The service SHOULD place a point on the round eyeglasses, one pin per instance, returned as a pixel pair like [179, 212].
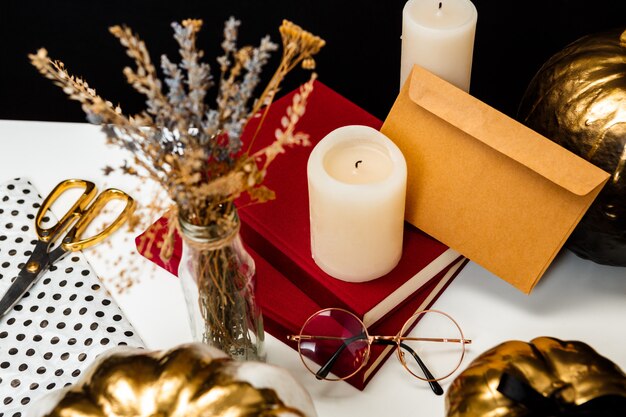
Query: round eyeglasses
[338, 341]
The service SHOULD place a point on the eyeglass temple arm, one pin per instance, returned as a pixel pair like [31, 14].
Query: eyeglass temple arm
[325, 369]
[434, 385]
[434, 339]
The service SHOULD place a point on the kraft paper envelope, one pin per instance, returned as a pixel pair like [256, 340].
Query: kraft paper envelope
[485, 185]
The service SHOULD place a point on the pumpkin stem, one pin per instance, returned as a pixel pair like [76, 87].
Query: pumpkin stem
[622, 39]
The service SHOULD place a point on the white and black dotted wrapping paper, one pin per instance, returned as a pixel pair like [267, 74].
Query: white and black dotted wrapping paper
[60, 325]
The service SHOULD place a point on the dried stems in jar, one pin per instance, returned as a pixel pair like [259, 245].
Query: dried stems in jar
[194, 151]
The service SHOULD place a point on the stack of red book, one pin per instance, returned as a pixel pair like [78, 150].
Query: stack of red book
[290, 286]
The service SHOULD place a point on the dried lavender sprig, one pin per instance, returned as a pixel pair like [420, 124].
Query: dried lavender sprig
[198, 74]
[229, 45]
[234, 94]
[239, 100]
[174, 81]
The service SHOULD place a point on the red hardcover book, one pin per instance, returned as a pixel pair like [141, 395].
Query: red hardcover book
[286, 307]
[279, 229]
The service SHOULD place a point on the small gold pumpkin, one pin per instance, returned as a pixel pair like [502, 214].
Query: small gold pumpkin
[192, 380]
[569, 371]
[578, 100]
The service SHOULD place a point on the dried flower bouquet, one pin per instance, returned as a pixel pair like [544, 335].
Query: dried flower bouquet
[194, 151]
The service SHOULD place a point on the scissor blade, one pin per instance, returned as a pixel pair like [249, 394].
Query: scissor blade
[16, 291]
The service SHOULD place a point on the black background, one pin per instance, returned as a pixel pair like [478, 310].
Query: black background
[361, 59]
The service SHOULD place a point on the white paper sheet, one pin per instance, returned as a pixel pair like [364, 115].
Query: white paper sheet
[61, 325]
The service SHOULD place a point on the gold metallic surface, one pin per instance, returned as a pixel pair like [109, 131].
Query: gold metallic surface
[75, 239]
[32, 267]
[578, 99]
[84, 212]
[570, 370]
[187, 381]
[81, 204]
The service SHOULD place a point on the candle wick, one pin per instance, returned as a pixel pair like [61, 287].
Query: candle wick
[440, 4]
[357, 163]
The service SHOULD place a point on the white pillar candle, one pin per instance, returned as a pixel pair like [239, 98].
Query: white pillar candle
[439, 36]
[357, 188]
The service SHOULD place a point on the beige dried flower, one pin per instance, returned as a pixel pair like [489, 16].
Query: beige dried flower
[190, 149]
[193, 151]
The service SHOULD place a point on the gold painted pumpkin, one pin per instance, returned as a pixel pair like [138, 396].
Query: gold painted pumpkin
[578, 100]
[568, 372]
[192, 380]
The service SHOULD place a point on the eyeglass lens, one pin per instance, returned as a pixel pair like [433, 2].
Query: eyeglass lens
[437, 341]
[338, 344]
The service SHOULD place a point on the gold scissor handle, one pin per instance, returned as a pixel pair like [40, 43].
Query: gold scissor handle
[73, 240]
[76, 210]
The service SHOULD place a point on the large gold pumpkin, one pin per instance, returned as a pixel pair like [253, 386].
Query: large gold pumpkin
[578, 99]
[571, 372]
[192, 380]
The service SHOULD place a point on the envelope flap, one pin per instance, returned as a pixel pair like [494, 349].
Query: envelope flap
[504, 134]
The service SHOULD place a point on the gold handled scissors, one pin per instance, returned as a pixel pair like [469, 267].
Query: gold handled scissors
[79, 216]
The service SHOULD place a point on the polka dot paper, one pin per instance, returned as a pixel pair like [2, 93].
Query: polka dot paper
[59, 327]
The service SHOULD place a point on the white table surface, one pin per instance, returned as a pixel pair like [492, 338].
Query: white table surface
[575, 300]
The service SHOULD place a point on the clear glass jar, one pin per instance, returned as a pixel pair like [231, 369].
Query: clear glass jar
[218, 279]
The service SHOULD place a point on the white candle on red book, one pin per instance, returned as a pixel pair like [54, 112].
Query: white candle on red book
[439, 36]
[357, 187]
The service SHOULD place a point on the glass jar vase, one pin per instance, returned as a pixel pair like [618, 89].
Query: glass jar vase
[218, 279]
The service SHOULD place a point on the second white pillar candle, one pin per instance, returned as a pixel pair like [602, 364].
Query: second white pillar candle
[439, 36]
[357, 188]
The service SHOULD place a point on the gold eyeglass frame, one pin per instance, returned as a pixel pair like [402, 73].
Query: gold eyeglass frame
[371, 339]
